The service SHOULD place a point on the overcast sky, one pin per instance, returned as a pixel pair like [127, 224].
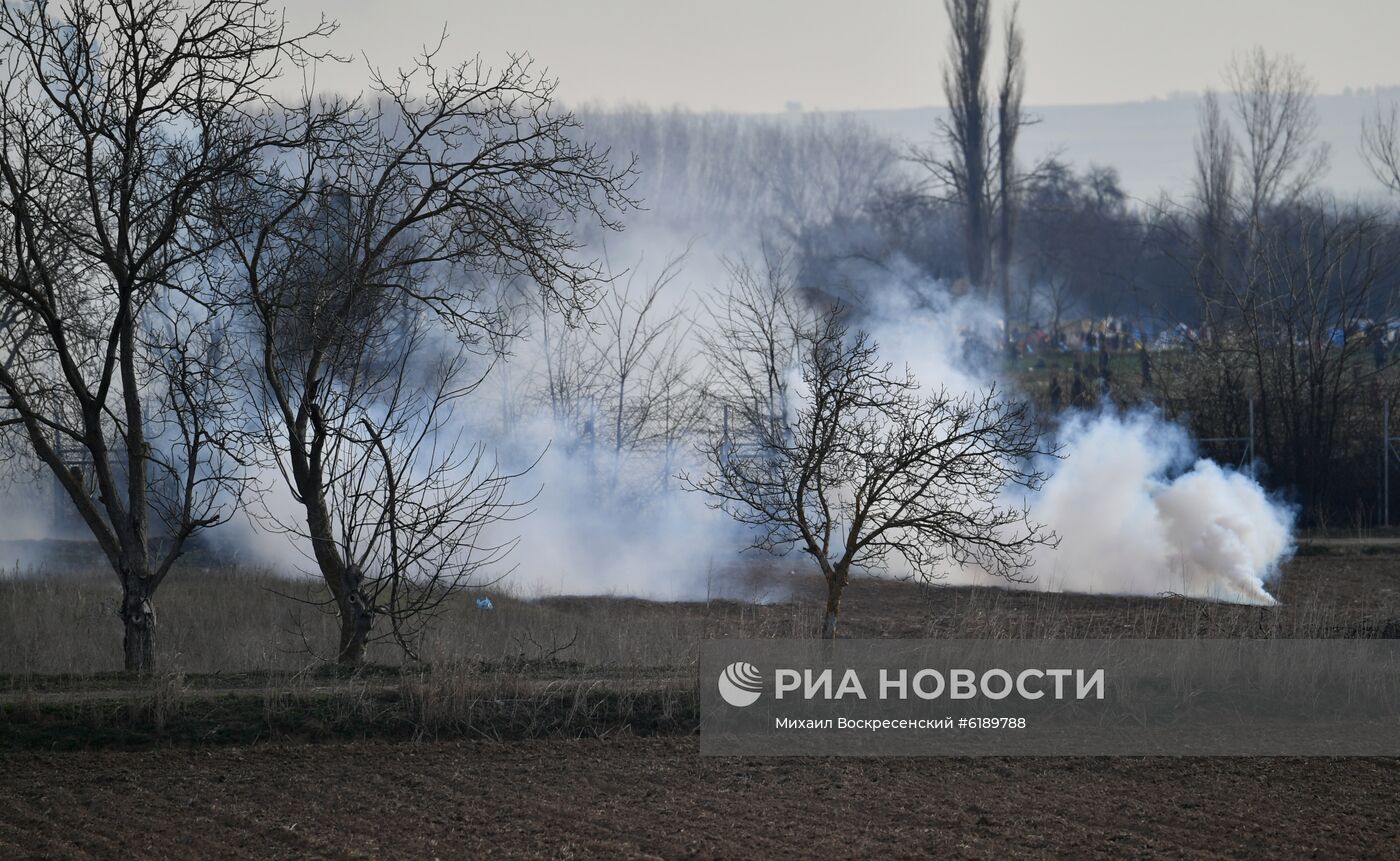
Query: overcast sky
[758, 55]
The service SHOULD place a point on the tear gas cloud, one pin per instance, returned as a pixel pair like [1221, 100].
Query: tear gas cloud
[1135, 511]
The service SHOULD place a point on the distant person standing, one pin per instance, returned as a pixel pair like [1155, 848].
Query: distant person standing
[1078, 395]
[1105, 375]
[1055, 393]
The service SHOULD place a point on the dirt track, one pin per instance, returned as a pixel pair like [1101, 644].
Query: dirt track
[656, 798]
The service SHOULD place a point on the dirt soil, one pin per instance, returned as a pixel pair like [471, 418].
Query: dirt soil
[657, 798]
[630, 797]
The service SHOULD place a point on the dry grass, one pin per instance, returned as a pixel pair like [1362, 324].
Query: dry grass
[239, 660]
[239, 621]
[231, 621]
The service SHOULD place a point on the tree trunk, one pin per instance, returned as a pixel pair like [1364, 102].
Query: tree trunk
[978, 254]
[1004, 254]
[834, 587]
[353, 637]
[343, 579]
[139, 624]
[356, 619]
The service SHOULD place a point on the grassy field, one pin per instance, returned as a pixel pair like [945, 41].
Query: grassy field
[241, 661]
[238, 622]
[563, 727]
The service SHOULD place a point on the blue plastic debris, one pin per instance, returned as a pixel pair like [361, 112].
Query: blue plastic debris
[484, 604]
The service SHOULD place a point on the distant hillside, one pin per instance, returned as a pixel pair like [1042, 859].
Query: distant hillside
[1151, 142]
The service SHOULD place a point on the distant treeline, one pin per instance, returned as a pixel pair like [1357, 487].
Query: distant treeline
[1282, 294]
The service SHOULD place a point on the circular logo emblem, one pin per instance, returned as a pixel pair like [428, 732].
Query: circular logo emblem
[740, 684]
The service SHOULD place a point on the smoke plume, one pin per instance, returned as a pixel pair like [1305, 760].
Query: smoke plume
[1137, 514]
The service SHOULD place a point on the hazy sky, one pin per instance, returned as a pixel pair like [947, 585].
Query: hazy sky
[836, 54]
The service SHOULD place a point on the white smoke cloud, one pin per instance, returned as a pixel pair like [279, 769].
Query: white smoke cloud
[1136, 512]
[591, 531]
[1138, 515]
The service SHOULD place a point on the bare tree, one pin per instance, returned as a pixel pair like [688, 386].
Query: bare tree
[868, 465]
[1276, 157]
[1280, 154]
[967, 129]
[978, 169]
[571, 371]
[751, 342]
[626, 381]
[680, 410]
[396, 221]
[1380, 145]
[116, 121]
[636, 330]
[1305, 345]
[1010, 119]
[414, 507]
[1079, 244]
[819, 173]
[1213, 187]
